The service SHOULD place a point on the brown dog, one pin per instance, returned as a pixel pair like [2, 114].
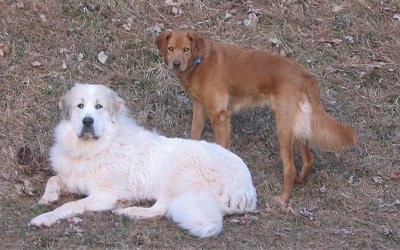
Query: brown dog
[223, 78]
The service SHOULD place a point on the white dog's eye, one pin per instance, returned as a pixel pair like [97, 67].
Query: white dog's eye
[80, 105]
[98, 106]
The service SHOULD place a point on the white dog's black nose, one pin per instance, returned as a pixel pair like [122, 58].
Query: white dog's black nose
[87, 121]
[176, 63]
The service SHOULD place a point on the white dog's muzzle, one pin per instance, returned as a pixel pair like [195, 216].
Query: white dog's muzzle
[87, 131]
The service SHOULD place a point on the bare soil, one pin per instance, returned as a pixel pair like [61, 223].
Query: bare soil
[353, 47]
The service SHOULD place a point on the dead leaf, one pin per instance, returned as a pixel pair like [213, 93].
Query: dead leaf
[128, 25]
[228, 16]
[397, 17]
[355, 179]
[391, 204]
[236, 221]
[387, 231]
[275, 41]
[19, 189]
[333, 41]
[30, 162]
[245, 219]
[102, 57]
[255, 10]
[308, 212]
[25, 156]
[24, 186]
[337, 8]
[43, 18]
[343, 231]
[79, 57]
[267, 207]
[64, 51]
[74, 229]
[18, 5]
[64, 65]
[28, 188]
[4, 50]
[395, 175]
[36, 64]
[349, 39]
[156, 29]
[75, 220]
[174, 2]
[251, 20]
[377, 179]
[176, 11]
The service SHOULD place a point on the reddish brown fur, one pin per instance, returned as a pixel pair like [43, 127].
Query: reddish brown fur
[230, 78]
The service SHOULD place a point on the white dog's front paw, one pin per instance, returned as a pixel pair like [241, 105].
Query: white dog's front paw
[43, 220]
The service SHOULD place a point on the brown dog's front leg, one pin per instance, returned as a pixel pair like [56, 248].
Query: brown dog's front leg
[221, 124]
[199, 117]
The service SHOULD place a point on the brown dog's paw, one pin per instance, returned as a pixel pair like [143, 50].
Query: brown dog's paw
[300, 180]
[283, 206]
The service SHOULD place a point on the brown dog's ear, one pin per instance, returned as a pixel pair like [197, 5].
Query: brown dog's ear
[162, 42]
[197, 43]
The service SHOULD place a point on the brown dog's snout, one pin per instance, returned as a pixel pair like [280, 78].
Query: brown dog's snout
[176, 63]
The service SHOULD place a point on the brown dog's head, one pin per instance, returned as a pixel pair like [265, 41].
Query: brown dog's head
[180, 49]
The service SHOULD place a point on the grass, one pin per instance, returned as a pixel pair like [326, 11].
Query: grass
[342, 206]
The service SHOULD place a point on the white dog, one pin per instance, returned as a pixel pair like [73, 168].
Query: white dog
[100, 152]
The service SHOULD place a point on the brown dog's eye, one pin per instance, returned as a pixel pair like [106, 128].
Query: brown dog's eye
[170, 49]
[185, 49]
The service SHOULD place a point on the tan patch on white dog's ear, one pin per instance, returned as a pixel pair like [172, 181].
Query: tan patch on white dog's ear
[117, 104]
[65, 108]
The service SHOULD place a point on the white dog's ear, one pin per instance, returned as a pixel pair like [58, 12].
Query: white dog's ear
[117, 104]
[65, 108]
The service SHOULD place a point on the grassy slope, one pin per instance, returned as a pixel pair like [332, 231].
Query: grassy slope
[344, 205]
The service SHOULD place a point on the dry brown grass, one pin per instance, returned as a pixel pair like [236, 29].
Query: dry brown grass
[352, 199]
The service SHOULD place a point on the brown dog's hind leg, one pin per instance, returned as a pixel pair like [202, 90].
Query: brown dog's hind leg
[286, 141]
[308, 160]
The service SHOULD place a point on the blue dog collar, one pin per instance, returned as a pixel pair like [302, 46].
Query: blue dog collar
[197, 60]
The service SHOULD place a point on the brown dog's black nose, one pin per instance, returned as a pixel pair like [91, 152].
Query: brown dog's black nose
[87, 121]
[176, 63]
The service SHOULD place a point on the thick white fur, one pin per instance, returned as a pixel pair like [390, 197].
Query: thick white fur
[194, 182]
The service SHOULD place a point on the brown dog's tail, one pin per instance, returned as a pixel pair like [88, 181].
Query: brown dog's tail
[327, 133]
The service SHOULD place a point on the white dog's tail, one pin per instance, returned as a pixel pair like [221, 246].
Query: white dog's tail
[199, 214]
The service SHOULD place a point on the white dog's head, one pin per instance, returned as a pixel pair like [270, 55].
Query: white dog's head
[91, 109]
